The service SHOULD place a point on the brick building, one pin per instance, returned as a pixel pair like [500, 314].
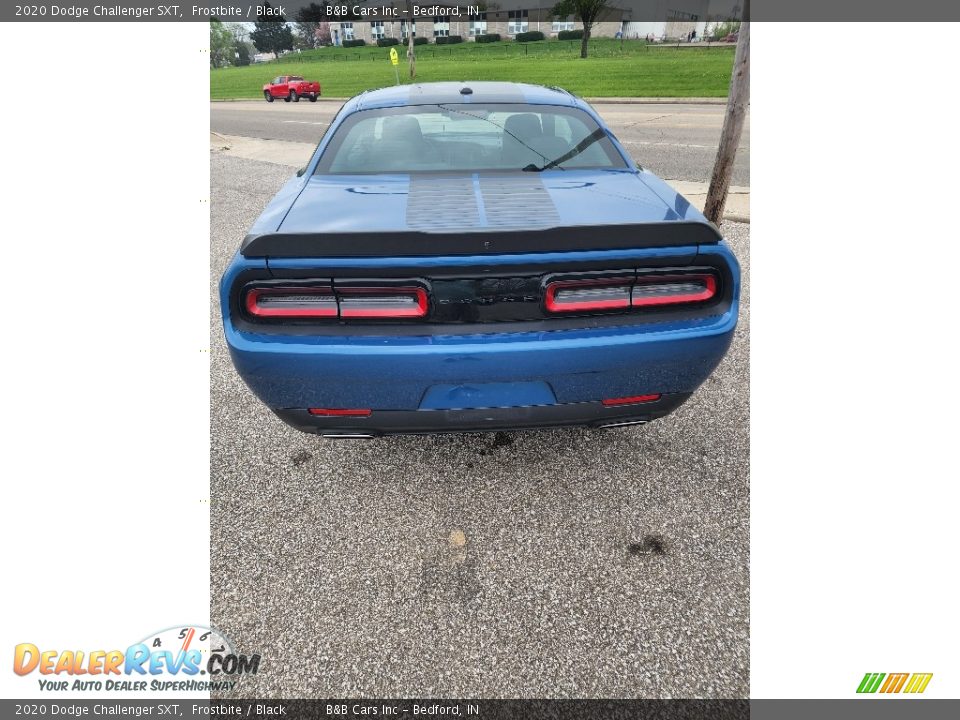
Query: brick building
[660, 19]
[453, 19]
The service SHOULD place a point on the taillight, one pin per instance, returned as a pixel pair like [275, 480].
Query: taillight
[584, 295]
[673, 289]
[292, 302]
[358, 302]
[386, 302]
[599, 294]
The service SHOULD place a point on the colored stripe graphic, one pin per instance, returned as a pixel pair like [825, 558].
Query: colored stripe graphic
[895, 682]
[870, 682]
[918, 682]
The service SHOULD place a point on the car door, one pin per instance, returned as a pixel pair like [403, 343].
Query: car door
[276, 86]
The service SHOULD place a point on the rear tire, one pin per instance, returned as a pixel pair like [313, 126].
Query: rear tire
[294, 96]
[313, 98]
[267, 96]
[287, 99]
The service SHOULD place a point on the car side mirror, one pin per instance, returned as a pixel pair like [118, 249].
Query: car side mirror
[301, 171]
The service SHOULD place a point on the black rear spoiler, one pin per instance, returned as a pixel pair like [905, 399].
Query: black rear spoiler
[412, 243]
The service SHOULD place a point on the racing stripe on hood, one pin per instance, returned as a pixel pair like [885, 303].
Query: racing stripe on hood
[518, 202]
[441, 203]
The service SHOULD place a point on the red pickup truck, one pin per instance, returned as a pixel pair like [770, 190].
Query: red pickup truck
[291, 87]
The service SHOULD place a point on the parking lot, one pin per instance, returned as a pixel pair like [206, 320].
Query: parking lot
[568, 563]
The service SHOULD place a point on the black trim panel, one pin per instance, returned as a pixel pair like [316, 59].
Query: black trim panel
[429, 422]
[492, 242]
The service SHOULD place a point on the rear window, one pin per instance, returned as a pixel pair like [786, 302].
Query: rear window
[467, 138]
[296, 78]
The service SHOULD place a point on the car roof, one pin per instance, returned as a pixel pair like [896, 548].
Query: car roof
[452, 92]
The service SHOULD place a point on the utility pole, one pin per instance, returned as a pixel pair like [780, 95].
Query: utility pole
[732, 124]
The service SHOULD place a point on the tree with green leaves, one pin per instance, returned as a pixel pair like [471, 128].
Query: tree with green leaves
[588, 11]
[242, 52]
[238, 31]
[721, 30]
[309, 18]
[323, 34]
[221, 44]
[273, 36]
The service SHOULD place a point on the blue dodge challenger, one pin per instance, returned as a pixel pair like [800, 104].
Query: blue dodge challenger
[471, 257]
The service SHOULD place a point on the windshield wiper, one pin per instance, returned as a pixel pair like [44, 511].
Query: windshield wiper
[487, 120]
[589, 140]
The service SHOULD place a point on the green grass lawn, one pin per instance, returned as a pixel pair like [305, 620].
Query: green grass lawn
[634, 70]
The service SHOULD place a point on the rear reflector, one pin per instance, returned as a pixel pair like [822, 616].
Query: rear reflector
[673, 290]
[384, 302]
[584, 295]
[339, 412]
[632, 400]
[305, 302]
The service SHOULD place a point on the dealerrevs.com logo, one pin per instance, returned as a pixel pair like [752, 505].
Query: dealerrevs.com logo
[182, 658]
[910, 683]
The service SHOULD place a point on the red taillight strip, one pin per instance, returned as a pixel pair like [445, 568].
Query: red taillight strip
[708, 291]
[329, 309]
[347, 302]
[558, 305]
[635, 399]
[388, 293]
[340, 412]
[678, 289]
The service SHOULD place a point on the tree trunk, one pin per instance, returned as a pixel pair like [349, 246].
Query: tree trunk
[585, 40]
[732, 125]
[411, 55]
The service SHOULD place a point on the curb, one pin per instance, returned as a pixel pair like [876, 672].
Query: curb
[737, 218]
[255, 99]
[656, 101]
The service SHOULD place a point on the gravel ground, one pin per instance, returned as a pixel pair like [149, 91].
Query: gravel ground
[565, 563]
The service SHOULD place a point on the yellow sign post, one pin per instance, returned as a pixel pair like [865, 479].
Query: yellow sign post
[395, 61]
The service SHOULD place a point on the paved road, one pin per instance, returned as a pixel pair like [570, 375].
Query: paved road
[678, 142]
[504, 565]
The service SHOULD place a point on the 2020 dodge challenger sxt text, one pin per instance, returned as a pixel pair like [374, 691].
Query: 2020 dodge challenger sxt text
[483, 256]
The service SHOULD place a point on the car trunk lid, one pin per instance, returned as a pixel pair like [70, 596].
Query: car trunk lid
[337, 216]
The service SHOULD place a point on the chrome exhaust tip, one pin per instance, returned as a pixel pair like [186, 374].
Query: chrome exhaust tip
[347, 436]
[625, 423]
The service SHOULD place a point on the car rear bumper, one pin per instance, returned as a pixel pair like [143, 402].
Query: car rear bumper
[424, 384]
[417, 422]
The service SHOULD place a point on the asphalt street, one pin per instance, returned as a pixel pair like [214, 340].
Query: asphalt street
[568, 563]
[676, 141]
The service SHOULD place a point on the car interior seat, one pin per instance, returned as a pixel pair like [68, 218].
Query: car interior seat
[520, 132]
[402, 144]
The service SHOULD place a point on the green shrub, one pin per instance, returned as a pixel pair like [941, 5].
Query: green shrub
[570, 35]
[488, 38]
[531, 36]
[387, 42]
[354, 43]
[420, 41]
[449, 40]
